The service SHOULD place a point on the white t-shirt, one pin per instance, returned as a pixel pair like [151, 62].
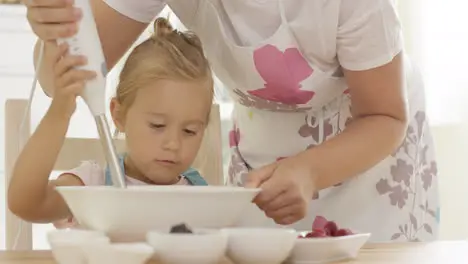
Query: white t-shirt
[357, 34]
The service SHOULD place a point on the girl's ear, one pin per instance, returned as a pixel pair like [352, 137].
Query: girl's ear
[117, 115]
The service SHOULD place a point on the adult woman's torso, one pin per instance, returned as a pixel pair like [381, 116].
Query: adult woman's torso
[281, 62]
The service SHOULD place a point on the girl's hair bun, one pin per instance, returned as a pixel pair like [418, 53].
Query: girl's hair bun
[162, 27]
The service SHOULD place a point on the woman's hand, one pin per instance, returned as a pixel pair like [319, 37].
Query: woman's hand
[50, 20]
[287, 188]
[69, 82]
[53, 19]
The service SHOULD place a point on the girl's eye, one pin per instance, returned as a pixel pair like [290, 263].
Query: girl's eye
[190, 132]
[156, 125]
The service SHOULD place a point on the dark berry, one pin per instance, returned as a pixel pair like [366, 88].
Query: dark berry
[331, 228]
[316, 233]
[181, 228]
[343, 232]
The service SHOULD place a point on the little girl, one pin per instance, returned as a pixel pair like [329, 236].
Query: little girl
[162, 105]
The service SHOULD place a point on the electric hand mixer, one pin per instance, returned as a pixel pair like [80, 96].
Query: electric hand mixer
[86, 42]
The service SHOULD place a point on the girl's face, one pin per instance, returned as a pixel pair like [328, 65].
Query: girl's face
[164, 129]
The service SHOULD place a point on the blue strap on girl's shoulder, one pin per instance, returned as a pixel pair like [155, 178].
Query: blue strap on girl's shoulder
[192, 175]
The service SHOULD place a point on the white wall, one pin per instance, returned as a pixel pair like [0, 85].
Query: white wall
[452, 155]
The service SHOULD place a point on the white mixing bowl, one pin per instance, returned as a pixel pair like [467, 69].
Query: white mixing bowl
[128, 214]
[259, 245]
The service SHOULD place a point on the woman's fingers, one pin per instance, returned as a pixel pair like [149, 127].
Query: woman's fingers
[45, 15]
[53, 19]
[286, 208]
[287, 197]
[275, 186]
[48, 3]
[257, 177]
[288, 214]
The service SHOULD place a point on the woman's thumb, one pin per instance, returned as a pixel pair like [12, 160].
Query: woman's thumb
[256, 177]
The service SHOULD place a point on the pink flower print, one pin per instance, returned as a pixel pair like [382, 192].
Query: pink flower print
[234, 137]
[282, 73]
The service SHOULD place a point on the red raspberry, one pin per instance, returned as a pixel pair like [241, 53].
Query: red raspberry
[319, 223]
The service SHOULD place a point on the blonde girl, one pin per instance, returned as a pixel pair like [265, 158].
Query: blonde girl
[162, 105]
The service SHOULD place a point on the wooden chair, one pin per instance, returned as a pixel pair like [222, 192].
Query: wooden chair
[208, 161]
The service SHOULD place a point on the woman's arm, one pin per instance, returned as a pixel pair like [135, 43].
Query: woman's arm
[380, 118]
[370, 49]
[116, 31]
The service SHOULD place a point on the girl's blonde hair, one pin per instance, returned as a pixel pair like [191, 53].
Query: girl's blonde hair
[167, 54]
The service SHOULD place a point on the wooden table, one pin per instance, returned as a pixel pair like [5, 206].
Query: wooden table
[392, 253]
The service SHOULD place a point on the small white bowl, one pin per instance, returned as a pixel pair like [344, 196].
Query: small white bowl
[67, 244]
[327, 249]
[119, 253]
[200, 247]
[259, 245]
[73, 234]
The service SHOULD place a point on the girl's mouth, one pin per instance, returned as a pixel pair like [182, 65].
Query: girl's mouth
[168, 162]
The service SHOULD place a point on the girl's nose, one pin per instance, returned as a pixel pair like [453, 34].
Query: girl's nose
[172, 141]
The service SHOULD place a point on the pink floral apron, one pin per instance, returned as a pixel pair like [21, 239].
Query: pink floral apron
[285, 104]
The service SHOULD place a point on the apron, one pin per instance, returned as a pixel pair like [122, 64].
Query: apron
[285, 104]
[193, 176]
